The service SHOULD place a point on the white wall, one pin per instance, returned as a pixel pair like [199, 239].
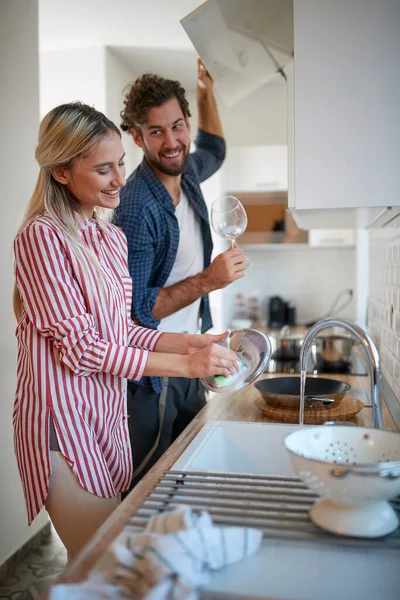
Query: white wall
[384, 299]
[308, 276]
[118, 75]
[95, 76]
[72, 74]
[19, 121]
[362, 247]
[258, 120]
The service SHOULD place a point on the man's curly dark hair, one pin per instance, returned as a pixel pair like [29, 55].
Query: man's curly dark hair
[149, 90]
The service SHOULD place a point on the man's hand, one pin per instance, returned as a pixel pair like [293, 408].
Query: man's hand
[208, 118]
[225, 268]
[205, 83]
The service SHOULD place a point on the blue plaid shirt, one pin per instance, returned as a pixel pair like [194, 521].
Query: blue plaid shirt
[147, 216]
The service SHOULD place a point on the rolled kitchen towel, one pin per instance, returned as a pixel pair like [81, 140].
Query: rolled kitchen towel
[175, 555]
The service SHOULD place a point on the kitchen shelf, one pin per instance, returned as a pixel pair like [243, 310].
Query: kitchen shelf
[296, 246]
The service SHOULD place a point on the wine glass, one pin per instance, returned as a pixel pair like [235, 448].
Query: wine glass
[229, 220]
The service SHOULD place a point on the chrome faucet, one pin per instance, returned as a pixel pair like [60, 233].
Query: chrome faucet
[372, 355]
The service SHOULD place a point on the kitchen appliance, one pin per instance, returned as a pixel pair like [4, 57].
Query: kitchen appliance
[290, 313]
[355, 470]
[284, 392]
[253, 351]
[276, 312]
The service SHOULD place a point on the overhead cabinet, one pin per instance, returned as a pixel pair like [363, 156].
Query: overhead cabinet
[344, 107]
[343, 98]
[243, 43]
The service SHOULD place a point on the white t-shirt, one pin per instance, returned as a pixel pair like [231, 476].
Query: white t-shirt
[189, 261]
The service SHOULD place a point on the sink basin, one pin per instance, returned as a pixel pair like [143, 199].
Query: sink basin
[362, 573]
[233, 447]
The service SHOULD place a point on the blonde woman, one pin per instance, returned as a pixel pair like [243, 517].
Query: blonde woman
[76, 343]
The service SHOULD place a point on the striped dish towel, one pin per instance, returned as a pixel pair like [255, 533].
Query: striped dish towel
[172, 558]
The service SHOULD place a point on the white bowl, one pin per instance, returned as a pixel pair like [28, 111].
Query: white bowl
[355, 470]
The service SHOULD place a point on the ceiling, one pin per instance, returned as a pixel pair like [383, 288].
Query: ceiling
[139, 23]
[172, 63]
[146, 36]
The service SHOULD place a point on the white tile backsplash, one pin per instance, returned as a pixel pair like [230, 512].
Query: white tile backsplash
[310, 277]
[384, 299]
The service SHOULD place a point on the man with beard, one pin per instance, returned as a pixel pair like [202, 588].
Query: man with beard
[164, 216]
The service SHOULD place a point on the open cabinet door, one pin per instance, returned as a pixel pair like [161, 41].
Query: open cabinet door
[243, 43]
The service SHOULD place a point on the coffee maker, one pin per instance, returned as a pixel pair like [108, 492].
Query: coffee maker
[280, 312]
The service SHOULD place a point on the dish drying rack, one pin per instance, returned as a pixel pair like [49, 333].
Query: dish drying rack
[278, 506]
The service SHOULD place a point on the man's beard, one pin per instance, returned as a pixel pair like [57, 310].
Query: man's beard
[172, 170]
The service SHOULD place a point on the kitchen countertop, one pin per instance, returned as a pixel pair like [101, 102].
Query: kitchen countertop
[237, 406]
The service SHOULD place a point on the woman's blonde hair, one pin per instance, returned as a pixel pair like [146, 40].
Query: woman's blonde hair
[67, 132]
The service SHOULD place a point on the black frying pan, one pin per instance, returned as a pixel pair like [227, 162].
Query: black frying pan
[284, 392]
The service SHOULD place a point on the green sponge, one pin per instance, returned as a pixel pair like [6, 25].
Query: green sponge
[222, 381]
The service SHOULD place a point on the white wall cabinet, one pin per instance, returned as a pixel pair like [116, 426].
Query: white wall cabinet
[343, 107]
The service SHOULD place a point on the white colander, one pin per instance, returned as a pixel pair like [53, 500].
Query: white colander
[355, 470]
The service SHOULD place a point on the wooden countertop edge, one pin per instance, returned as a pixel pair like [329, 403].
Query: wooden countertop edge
[237, 406]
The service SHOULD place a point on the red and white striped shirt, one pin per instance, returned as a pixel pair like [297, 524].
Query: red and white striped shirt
[77, 346]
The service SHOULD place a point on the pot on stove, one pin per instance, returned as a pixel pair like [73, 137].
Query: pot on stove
[333, 351]
[285, 344]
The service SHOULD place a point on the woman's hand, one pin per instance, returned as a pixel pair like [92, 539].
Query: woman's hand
[204, 356]
[212, 360]
[186, 343]
[198, 342]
